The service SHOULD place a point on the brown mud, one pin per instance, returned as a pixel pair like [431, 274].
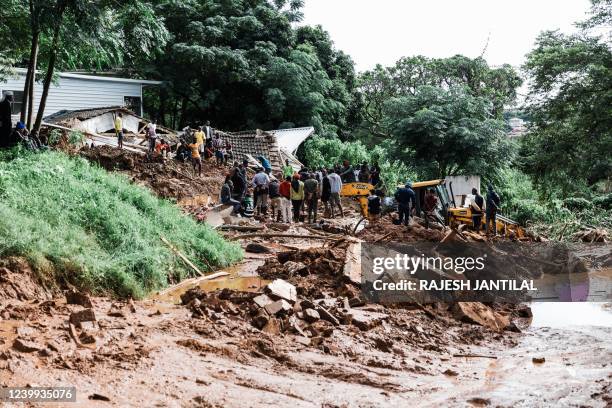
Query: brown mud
[308, 340]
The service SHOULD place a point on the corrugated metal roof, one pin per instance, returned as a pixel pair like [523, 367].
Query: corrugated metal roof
[291, 139]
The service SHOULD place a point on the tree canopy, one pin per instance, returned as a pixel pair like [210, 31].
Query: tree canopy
[569, 144]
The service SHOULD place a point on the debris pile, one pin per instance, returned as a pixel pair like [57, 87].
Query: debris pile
[167, 178]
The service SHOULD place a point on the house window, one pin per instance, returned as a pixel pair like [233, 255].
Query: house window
[133, 103]
[17, 100]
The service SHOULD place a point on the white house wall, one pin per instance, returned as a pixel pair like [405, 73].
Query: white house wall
[75, 94]
[104, 123]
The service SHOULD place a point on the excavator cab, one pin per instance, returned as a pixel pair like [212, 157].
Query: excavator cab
[444, 202]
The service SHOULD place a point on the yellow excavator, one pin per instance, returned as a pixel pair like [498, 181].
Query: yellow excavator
[450, 214]
[360, 192]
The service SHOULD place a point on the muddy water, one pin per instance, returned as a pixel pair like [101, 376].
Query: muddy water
[573, 339]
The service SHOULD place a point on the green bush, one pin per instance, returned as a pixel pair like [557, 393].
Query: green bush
[77, 223]
[577, 203]
[327, 152]
[604, 201]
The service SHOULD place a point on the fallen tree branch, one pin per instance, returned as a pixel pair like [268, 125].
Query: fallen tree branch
[272, 235]
[183, 257]
[192, 281]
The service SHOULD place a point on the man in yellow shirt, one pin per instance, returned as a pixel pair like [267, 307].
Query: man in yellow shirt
[119, 130]
[199, 139]
[195, 158]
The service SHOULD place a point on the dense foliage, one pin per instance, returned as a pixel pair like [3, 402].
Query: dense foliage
[79, 224]
[243, 65]
[569, 147]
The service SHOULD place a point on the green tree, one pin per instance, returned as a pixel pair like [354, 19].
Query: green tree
[570, 140]
[497, 85]
[447, 132]
[242, 65]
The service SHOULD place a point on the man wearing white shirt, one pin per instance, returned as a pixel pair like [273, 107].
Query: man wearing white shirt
[335, 183]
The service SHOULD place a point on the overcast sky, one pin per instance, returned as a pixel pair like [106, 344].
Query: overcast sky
[382, 31]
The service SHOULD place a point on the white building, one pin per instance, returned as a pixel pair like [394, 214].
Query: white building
[79, 91]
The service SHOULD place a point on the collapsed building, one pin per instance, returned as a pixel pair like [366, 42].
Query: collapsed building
[275, 145]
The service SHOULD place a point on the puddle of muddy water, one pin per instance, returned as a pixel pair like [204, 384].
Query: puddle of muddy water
[571, 314]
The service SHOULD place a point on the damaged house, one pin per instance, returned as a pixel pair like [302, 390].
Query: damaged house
[275, 145]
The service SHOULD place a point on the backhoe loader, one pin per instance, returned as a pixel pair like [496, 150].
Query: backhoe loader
[448, 213]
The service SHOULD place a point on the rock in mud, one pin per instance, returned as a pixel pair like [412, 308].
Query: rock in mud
[326, 315]
[365, 320]
[26, 346]
[478, 313]
[257, 248]
[85, 315]
[272, 327]
[294, 268]
[278, 307]
[261, 319]
[262, 300]
[311, 315]
[281, 289]
[78, 298]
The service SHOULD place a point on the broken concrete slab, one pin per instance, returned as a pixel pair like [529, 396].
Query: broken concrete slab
[262, 300]
[85, 315]
[352, 263]
[26, 346]
[280, 306]
[281, 289]
[478, 313]
[311, 315]
[365, 320]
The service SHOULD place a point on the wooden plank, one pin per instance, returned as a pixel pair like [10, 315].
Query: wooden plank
[183, 257]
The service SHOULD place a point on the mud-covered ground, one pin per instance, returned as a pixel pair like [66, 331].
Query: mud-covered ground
[154, 353]
[210, 343]
[168, 178]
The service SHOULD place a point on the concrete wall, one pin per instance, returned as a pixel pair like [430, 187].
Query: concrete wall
[77, 93]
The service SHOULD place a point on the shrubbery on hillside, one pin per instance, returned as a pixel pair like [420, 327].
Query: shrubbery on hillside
[77, 223]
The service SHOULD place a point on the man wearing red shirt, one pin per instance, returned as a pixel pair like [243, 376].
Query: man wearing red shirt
[285, 191]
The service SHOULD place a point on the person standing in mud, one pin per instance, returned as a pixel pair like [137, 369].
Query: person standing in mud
[493, 205]
[285, 191]
[6, 120]
[208, 131]
[119, 130]
[260, 185]
[476, 205]
[297, 196]
[429, 207]
[239, 182]
[311, 194]
[196, 158]
[275, 197]
[226, 196]
[348, 173]
[335, 187]
[406, 199]
[199, 139]
[325, 193]
[152, 136]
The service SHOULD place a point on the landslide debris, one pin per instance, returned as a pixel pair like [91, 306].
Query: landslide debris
[168, 178]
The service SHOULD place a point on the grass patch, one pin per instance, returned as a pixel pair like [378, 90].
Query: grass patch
[79, 224]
